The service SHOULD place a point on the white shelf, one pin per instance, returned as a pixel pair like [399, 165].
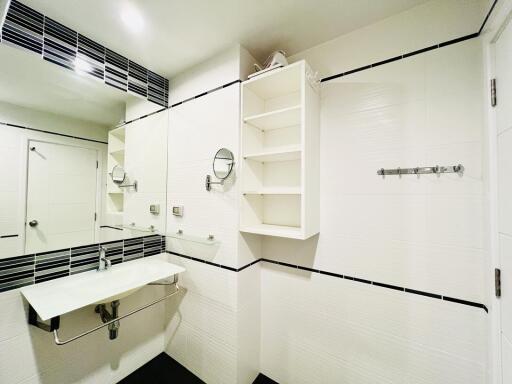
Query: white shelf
[274, 230]
[119, 133]
[277, 82]
[280, 167]
[279, 154]
[275, 191]
[281, 118]
[118, 153]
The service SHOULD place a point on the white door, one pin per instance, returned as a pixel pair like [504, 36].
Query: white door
[503, 61]
[61, 196]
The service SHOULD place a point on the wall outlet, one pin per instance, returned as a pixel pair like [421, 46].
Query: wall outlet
[177, 210]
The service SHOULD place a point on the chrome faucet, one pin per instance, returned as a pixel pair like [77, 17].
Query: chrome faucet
[104, 262]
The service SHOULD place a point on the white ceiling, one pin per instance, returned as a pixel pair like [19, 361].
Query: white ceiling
[177, 34]
[28, 81]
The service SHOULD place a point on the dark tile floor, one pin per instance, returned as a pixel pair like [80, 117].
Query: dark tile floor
[262, 379]
[163, 369]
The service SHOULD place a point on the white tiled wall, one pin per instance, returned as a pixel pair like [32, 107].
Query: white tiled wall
[396, 35]
[232, 64]
[321, 329]
[197, 130]
[415, 232]
[214, 327]
[146, 163]
[426, 233]
[14, 114]
[29, 355]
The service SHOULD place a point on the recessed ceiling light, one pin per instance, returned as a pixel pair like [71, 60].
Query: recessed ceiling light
[132, 18]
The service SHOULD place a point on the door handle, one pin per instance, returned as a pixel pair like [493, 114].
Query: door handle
[33, 223]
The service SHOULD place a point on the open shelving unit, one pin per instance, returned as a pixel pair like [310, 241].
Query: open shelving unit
[116, 146]
[280, 154]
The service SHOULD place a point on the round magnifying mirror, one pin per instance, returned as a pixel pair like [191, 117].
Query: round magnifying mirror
[118, 174]
[223, 163]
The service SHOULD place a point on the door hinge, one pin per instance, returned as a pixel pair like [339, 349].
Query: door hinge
[97, 164]
[497, 282]
[95, 216]
[494, 100]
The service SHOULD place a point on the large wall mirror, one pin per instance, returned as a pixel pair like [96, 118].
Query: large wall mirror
[62, 146]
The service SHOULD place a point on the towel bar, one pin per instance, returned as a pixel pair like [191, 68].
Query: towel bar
[55, 322]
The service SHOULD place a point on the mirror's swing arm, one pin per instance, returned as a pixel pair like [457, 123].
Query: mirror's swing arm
[208, 183]
[55, 321]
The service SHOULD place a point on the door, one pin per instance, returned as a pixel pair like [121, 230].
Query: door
[61, 196]
[503, 109]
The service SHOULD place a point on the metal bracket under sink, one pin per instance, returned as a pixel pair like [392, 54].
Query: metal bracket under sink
[54, 324]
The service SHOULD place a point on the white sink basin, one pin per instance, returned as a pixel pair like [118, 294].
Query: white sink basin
[117, 297]
[57, 297]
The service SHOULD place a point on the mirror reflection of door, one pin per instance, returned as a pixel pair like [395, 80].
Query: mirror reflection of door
[61, 196]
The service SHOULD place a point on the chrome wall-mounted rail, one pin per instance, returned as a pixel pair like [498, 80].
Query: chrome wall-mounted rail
[55, 322]
[422, 170]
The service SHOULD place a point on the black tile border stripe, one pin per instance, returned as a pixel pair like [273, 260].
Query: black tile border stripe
[487, 17]
[417, 52]
[181, 102]
[340, 276]
[400, 57]
[7, 236]
[51, 133]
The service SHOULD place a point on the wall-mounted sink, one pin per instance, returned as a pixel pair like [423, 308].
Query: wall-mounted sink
[57, 297]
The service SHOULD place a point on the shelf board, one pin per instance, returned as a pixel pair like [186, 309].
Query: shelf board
[274, 230]
[279, 154]
[280, 118]
[275, 191]
[115, 192]
[277, 82]
[119, 133]
[118, 152]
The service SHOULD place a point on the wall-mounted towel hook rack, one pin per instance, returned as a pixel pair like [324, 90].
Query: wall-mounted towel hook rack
[459, 169]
